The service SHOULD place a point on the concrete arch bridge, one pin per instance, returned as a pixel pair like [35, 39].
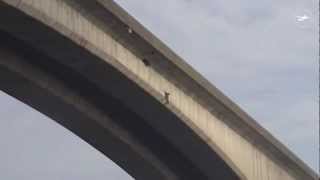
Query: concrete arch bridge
[95, 70]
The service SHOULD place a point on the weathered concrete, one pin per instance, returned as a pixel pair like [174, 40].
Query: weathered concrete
[81, 73]
[210, 132]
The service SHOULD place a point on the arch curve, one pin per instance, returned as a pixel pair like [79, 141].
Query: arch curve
[96, 116]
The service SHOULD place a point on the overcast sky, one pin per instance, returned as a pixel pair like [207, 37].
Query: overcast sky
[262, 54]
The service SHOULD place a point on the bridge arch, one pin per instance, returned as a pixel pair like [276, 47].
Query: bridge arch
[108, 126]
[64, 94]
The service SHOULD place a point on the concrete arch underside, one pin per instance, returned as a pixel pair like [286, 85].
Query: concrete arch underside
[93, 113]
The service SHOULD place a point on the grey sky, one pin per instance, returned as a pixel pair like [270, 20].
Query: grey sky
[256, 52]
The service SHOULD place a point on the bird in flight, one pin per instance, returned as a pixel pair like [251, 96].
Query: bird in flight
[302, 18]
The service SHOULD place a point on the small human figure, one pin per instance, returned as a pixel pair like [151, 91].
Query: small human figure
[166, 97]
